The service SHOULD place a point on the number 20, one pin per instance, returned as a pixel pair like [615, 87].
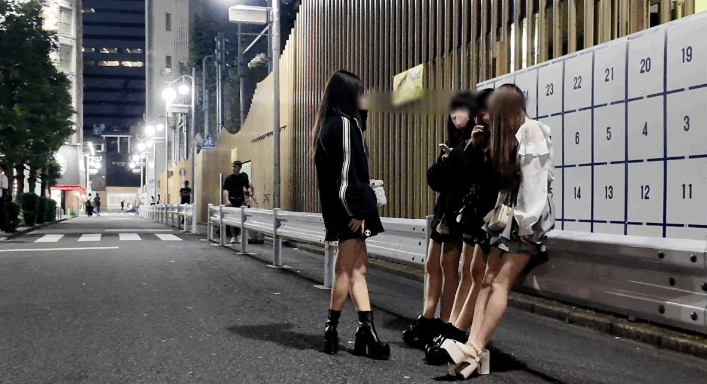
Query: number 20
[646, 65]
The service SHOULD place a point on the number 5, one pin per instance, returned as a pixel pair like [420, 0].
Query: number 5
[608, 133]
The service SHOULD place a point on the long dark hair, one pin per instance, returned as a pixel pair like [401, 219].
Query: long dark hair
[465, 100]
[340, 98]
[507, 107]
[481, 98]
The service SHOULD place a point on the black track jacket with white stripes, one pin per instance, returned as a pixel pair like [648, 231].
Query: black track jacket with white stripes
[342, 173]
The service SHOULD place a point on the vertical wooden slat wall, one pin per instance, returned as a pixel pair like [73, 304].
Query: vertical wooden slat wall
[462, 42]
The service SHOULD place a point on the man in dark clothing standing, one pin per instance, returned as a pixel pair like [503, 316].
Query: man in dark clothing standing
[6, 224]
[185, 194]
[122, 205]
[234, 187]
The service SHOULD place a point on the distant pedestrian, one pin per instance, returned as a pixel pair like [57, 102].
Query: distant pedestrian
[349, 206]
[137, 203]
[233, 192]
[185, 194]
[152, 200]
[158, 199]
[89, 206]
[97, 205]
[5, 203]
[122, 205]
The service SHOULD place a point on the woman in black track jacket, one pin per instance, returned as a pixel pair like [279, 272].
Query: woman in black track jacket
[349, 206]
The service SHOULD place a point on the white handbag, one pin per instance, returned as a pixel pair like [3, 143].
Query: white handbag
[379, 190]
[499, 218]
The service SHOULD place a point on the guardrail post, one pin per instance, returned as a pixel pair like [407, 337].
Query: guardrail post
[193, 219]
[222, 227]
[330, 249]
[244, 233]
[209, 223]
[276, 239]
[171, 215]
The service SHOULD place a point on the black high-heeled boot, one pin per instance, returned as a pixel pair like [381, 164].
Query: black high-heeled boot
[367, 342]
[331, 336]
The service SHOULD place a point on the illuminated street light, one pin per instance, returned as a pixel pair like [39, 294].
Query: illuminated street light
[169, 94]
[136, 158]
[183, 89]
[150, 130]
[149, 143]
[160, 127]
[131, 165]
[141, 147]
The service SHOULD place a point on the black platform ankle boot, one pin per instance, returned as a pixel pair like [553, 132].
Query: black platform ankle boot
[422, 331]
[331, 336]
[367, 342]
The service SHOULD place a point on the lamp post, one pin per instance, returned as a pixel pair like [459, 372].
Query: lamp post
[152, 129]
[170, 95]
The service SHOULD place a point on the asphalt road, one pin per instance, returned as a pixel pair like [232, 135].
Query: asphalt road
[117, 299]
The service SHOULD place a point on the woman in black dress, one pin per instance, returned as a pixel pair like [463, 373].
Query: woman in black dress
[349, 206]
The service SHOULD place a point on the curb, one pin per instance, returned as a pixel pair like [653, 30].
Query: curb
[13, 235]
[659, 336]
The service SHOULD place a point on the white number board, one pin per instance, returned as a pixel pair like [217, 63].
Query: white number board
[629, 128]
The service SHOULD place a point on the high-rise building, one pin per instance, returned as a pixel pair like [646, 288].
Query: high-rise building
[167, 43]
[114, 84]
[64, 18]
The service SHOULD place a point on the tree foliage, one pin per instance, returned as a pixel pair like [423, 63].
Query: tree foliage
[35, 102]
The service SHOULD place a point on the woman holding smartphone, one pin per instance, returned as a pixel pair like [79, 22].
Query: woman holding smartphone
[521, 152]
[442, 263]
[474, 162]
[349, 206]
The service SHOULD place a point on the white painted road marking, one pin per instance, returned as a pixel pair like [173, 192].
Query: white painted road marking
[49, 239]
[138, 230]
[55, 249]
[129, 236]
[167, 237]
[90, 237]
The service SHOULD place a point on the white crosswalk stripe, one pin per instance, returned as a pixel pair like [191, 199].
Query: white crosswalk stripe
[49, 239]
[167, 237]
[129, 236]
[90, 237]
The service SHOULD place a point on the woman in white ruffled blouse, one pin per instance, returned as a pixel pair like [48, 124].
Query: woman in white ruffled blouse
[521, 152]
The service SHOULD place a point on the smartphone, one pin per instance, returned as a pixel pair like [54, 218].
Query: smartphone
[443, 146]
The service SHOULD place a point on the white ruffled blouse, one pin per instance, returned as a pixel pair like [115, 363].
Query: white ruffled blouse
[537, 173]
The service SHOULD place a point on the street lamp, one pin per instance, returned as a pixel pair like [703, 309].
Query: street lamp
[184, 89]
[141, 147]
[169, 95]
[160, 127]
[150, 130]
[136, 158]
[131, 165]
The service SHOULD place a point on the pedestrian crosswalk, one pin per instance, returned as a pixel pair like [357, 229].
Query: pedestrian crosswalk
[98, 237]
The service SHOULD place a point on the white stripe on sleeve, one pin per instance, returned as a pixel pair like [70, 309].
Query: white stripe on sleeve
[347, 164]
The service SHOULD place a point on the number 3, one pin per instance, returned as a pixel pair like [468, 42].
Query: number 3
[686, 127]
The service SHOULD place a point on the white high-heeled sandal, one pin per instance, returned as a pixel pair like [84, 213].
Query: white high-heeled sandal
[464, 364]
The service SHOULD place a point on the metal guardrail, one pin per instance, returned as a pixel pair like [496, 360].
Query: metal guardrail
[659, 280]
[180, 216]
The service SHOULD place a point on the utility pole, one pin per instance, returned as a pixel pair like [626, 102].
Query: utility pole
[205, 93]
[276, 97]
[241, 78]
[191, 139]
[220, 64]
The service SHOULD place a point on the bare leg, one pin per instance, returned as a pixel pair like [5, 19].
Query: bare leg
[451, 252]
[433, 275]
[464, 284]
[345, 259]
[476, 270]
[511, 265]
[358, 286]
[492, 267]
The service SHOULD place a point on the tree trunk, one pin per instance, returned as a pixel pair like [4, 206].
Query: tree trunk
[44, 184]
[20, 170]
[32, 179]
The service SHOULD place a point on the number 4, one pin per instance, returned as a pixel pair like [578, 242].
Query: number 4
[645, 129]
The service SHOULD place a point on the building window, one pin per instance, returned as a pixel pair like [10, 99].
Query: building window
[109, 50]
[133, 64]
[107, 63]
[88, 49]
[168, 22]
[89, 63]
[132, 50]
[66, 58]
[66, 18]
[88, 10]
[168, 62]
